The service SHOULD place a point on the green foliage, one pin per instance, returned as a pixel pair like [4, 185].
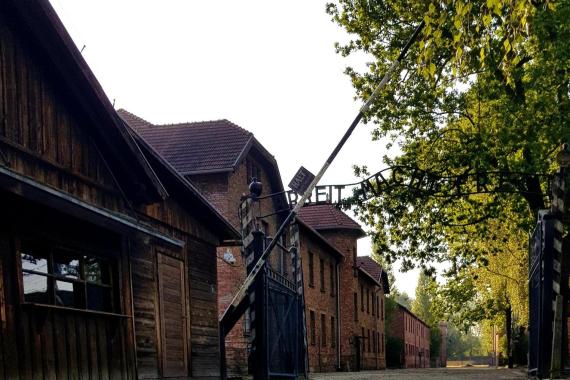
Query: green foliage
[462, 344]
[487, 88]
[422, 303]
[403, 299]
[390, 307]
[434, 342]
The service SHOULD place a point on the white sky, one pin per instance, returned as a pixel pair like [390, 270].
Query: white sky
[267, 66]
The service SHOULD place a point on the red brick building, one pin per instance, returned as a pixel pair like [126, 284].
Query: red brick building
[321, 261]
[361, 291]
[220, 158]
[415, 337]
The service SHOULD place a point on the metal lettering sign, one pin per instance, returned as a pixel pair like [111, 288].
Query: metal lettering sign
[301, 181]
[423, 183]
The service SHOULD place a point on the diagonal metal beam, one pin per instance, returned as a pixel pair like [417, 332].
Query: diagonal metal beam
[241, 294]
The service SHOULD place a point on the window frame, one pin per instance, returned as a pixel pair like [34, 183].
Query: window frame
[322, 275]
[313, 327]
[51, 250]
[323, 330]
[332, 278]
[311, 269]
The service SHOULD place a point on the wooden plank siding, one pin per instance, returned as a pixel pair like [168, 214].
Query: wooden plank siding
[167, 317]
[172, 296]
[40, 137]
[204, 334]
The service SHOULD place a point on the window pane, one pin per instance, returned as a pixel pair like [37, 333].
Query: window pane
[69, 294]
[34, 261]
[66, 264]
[35, 288]
[96, 270]
[99, 298]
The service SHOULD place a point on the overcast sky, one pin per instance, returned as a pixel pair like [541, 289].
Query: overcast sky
[268, 66]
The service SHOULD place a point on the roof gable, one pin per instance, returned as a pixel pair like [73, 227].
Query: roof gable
[374, 270]
[194, 148]
[38, 23]
[327, 217]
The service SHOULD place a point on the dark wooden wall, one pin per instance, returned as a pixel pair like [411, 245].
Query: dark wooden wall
[43, 136]
[46, 343]
[40, 135]
[205, 352]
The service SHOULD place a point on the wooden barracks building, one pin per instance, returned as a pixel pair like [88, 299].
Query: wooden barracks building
[107, 254]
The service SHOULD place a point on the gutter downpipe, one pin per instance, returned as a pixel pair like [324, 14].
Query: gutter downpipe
[338, 363]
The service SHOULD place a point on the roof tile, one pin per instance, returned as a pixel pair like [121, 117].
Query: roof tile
[193, 147]
[327, 217]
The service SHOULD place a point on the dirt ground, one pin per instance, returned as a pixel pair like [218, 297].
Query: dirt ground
[427, 373]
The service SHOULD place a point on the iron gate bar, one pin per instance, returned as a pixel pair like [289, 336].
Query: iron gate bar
[279, 295]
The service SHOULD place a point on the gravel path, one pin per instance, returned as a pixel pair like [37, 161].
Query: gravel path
[427, 373]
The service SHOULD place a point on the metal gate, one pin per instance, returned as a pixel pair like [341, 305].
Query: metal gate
[276, 305]
[541, 296]
[282, 326]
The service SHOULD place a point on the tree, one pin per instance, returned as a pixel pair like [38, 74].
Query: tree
[422, 303]
[487, 88]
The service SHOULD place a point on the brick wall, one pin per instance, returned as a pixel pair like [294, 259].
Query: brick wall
[320, 302]
[225, 191]
[416, 336]
[371, 323]
[345, 242]
[350, 280]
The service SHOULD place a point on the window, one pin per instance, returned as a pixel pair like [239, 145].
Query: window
[361, 297]
[52, 275]
[355, 306]
[313, 328]
[252, 171]
[332, 279]
[322, 278]
[333, 333]
[323, 330]
[374, 347]
[311, 270]
[247, 323]
[368, 300]
[369, 341]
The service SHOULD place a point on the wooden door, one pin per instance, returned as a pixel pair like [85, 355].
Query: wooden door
[172, 299]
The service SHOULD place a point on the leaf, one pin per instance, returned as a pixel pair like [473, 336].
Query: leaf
[507, 45]
[432, 69]
[487, 20]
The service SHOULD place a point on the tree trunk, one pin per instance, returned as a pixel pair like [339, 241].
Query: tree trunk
[508, 327]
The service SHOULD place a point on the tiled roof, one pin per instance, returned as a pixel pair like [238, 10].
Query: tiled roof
[369, 265]
[192, 148]
[327, 217]
[374, 270]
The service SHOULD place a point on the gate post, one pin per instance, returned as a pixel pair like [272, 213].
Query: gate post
[560, 264]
